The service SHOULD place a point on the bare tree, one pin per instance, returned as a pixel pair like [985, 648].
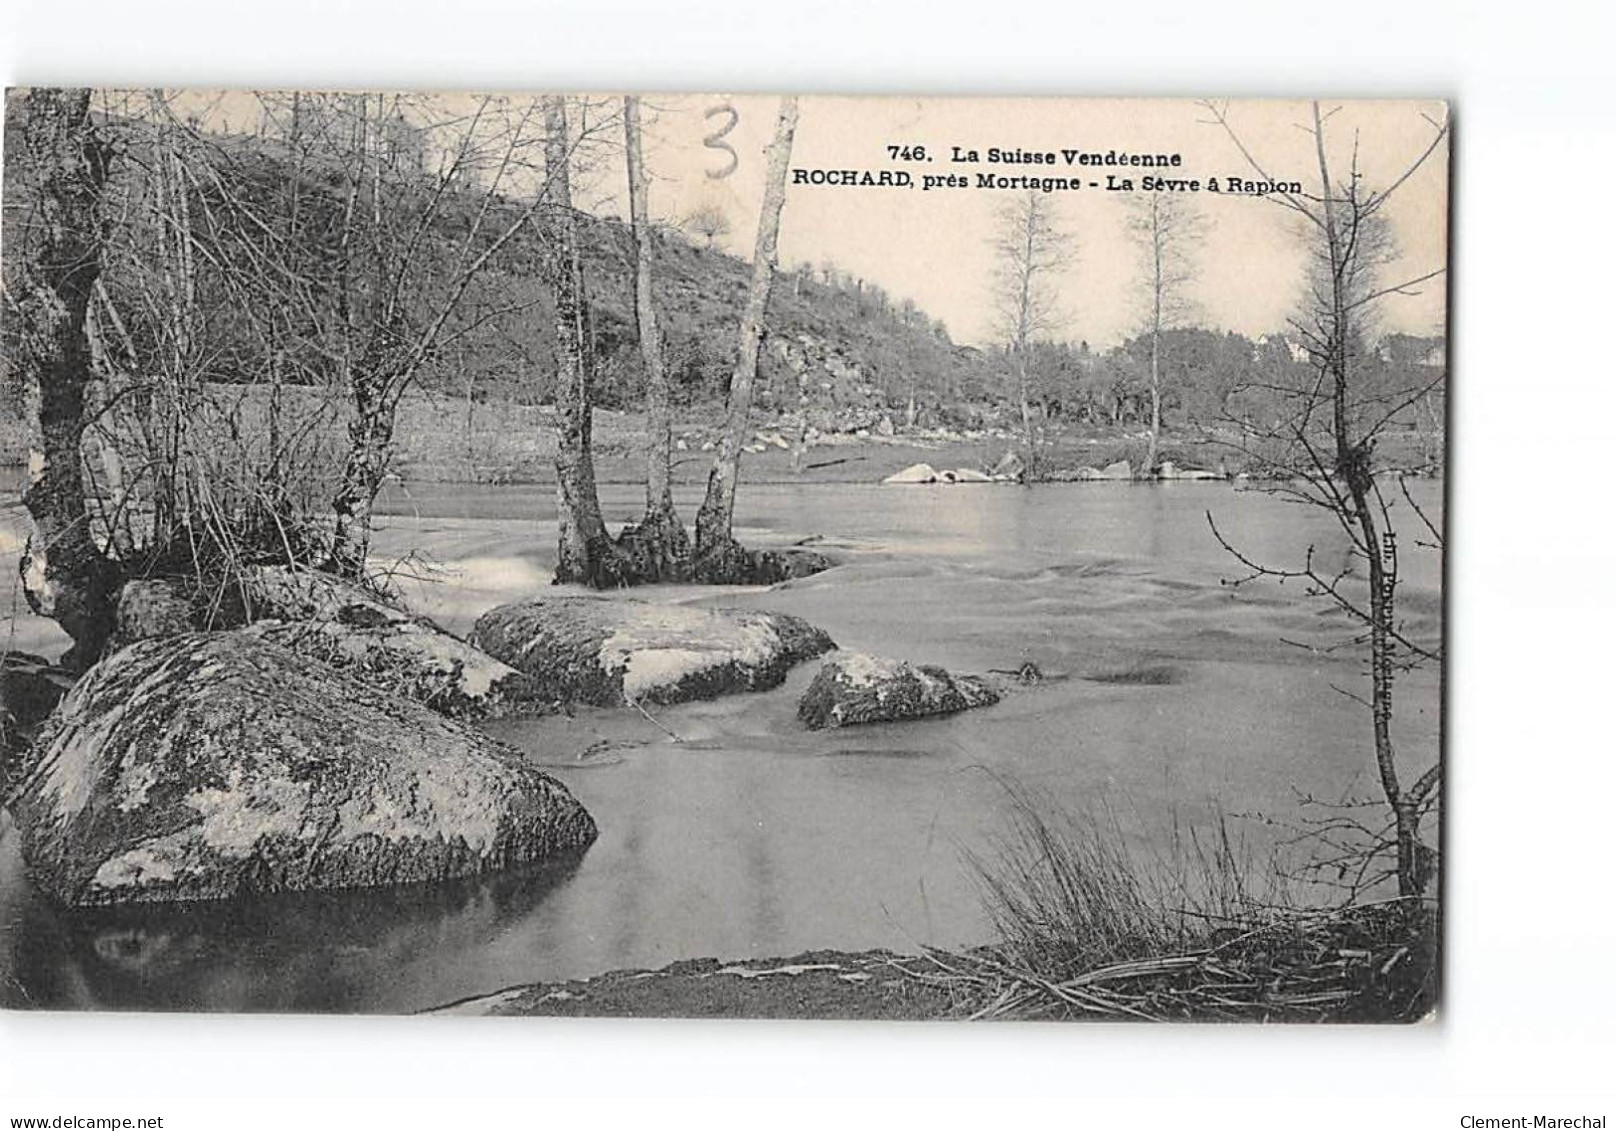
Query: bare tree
[714, 540]
[659, 544]
[585, 551]
[393, 313]
[1166, 229]
[57, 251]
[708, 221]
[1330, 437]
[1031, 249]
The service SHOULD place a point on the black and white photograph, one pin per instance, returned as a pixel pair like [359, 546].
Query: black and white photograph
[724, 556]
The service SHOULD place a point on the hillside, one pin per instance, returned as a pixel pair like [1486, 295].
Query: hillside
[868, 362]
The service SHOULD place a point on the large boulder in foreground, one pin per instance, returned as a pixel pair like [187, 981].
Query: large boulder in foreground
[853, 688]
[610, 652]
[209, 766]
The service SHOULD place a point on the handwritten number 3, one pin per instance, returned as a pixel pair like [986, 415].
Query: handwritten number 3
[715, 140]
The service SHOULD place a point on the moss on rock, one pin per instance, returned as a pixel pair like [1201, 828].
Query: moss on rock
[608, 651]
[208, 766]
[853, 688]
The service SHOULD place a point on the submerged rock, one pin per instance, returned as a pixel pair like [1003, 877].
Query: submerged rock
[727, 562]
[608, 652]
[914, 473]
[215, 765]
[853, 688]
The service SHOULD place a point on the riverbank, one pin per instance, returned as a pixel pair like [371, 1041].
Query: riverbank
[820, 985]
[440, 440]
[1376, 963]
[516, 444]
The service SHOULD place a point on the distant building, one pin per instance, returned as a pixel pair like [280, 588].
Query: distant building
[1297, 351]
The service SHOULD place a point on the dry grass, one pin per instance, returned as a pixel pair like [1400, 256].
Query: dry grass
[1089, 926]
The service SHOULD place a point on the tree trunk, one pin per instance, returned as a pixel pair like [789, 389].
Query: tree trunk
[65, 574]
[1353, 465]
[370, 444]
[714, 537]
[1026, 414]
[584, 551]
[1023, 338]
[1149, 468]
[659, 545]
[1157, 283]
[658, 411]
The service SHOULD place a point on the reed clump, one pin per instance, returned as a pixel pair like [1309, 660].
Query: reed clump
[1092, 925]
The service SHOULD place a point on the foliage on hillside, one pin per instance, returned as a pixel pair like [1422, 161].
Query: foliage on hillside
[260, 202]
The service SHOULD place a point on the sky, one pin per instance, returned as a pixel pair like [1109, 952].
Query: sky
[936, 247]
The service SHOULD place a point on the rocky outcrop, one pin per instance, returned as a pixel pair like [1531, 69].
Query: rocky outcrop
[853, 688]
[609, 652]
[914, 473]
[209, 766]
[970, 475]
[922, 473]
[1118, 470]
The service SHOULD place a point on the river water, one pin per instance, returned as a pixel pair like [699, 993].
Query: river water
[751, 837]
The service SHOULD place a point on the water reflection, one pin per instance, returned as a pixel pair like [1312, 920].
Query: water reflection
[755, 838]
[306, 952]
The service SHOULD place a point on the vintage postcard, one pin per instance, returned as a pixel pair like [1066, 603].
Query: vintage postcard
[723, 555]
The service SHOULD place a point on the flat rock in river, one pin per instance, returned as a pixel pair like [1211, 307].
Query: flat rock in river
[914, 473]
[609, 651]
[215, 765]
[853, 688]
